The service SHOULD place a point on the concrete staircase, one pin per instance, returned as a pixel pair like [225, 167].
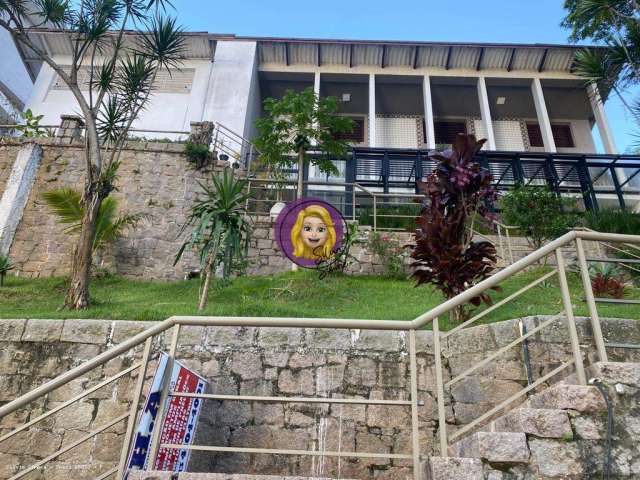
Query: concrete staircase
[558, 433]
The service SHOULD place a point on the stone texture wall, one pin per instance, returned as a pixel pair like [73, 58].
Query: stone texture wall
[288, 362]
[155, 180]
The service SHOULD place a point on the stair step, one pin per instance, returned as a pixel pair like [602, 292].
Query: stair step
[616, 372]
[568, 397]
[448, 468]
[540, 422]
[495, 447]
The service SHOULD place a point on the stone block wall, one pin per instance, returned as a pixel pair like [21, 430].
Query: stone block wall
[154, 180]
[273, 361]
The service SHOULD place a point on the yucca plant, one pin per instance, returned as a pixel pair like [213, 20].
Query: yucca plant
[5, 267]
[120, 85]
[220, 228]
[67, 205]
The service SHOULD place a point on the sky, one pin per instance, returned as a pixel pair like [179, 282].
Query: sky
[507, 21]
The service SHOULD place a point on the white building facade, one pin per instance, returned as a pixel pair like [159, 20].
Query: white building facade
[401, 95]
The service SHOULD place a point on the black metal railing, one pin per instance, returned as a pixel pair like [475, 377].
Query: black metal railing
[593, 177]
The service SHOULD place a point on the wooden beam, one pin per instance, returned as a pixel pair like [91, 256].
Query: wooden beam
[384, 56]
[286, 54]
[480, 59]
[511, 57]
[543, 59]
[447, 63]
[415, 57]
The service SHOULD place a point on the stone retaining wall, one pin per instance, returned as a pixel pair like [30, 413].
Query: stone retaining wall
[288, 362]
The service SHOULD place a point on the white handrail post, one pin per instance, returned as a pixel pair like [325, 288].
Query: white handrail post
[415, 426]
[500, 243]
[571, 323]
[166, 385]
[375, 214]
[591, 302]
[506, 231]
[353, 204]
[442, 423]
[133, 411]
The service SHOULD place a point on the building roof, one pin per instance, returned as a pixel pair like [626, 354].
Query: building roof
[446, 55]
[353, 53]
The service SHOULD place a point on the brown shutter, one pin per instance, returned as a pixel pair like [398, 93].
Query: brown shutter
[562, 136]
[535, 135]
[357, 135]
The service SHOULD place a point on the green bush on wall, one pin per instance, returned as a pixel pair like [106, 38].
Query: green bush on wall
[613, 221]
[540, 214]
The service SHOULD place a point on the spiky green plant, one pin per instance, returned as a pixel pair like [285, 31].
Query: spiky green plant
[5, 267]
[66, 204]
[220, 228]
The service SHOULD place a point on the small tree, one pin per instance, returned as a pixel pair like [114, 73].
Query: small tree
[221, 229]
[298, 123]
[121, 81]
[538, 213]
[457, 192]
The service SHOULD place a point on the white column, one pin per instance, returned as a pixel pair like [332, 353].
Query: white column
[316, 91]
[316, 84]
[428, 113]
[543, 116]
[601, 120]
[485, 112]
[16, 192]
[372, 110]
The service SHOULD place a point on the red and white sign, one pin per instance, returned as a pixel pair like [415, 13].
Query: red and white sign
[179, 425]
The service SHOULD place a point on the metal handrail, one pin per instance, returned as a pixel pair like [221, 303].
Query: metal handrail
[430, 317]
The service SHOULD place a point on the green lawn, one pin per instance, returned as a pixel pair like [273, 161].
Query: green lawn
[299, 294]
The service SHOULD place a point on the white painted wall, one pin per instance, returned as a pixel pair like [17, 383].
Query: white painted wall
[166, 111]
[13, 74]
[234, 71]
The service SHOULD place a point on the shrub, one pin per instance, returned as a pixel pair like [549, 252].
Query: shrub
[456, 193]
[342, 257]
[390, 253]
[197, 153]
[5, 267]
[539, 213]
[607, 281]
[613, 221]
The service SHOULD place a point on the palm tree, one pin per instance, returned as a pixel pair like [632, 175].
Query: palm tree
[221, 229]
[5, 266]
[66, 203]
[614, 24]
[122, 75]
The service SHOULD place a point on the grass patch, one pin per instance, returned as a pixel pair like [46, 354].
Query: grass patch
[300, 294]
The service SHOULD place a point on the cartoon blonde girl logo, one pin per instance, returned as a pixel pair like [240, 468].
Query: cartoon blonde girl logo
[313, 235]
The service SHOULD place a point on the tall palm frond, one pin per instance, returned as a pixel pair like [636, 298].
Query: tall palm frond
[66, 204]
